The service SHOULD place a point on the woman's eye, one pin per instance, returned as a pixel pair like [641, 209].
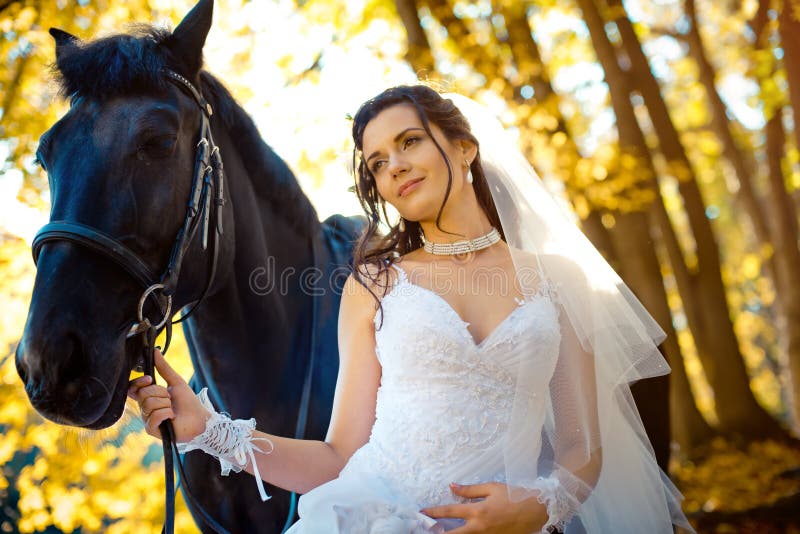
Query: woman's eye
[377, 166]
[410, 141]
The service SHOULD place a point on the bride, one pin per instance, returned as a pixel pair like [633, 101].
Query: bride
[486, 351]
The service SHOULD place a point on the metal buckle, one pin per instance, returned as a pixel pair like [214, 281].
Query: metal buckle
[144, 323]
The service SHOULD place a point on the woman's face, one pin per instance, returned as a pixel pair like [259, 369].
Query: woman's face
[409, 170]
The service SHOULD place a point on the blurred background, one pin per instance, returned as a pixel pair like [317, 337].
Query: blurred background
[668, 126]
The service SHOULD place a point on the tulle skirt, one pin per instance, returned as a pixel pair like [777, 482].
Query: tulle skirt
[363, 503]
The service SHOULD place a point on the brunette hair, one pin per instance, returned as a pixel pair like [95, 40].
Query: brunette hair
[380, 251]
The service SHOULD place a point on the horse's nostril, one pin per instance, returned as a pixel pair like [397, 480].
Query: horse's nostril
[51, 371]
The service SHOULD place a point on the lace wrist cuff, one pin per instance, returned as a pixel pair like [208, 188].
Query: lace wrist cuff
[561, 504]
[230, 441]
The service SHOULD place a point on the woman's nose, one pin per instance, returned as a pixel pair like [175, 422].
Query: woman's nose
[398, 166]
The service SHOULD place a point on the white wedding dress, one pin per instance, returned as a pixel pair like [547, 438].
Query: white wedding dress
[442, 409]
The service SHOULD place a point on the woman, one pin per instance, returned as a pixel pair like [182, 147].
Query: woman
[483, 341]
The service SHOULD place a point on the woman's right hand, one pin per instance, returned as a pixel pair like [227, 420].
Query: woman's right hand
[177, 401]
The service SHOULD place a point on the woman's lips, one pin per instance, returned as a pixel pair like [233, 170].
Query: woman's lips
[409, 186]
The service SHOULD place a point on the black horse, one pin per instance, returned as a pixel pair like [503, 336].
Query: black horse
[121, 161]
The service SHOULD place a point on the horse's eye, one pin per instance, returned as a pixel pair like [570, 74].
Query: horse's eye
[156, 147]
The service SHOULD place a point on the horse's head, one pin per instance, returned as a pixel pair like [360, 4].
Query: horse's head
[120, 161]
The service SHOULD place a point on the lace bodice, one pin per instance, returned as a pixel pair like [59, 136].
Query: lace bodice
[444, 400]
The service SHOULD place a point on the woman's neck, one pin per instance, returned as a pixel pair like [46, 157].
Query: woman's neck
[458, 224]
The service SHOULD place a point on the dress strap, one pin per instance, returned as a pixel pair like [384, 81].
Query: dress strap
[540, 268]
[401, 274]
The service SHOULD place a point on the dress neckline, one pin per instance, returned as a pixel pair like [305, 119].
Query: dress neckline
[540, 293]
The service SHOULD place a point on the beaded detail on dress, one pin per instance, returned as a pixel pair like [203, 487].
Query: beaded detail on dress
[443, 397]
[441, 414]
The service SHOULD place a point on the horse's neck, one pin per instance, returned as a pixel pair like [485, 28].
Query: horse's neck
[246, 333]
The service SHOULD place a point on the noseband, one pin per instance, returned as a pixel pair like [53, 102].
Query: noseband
[207, 185]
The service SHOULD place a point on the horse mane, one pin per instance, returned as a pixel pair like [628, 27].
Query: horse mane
[116, 65]
[131, 64]
[280, 187]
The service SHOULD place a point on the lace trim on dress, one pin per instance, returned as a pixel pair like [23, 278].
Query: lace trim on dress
[561, 504]
[230, 441]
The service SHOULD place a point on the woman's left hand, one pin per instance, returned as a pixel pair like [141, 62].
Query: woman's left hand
[495, 513]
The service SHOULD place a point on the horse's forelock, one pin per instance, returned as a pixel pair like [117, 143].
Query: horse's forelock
[116, 65]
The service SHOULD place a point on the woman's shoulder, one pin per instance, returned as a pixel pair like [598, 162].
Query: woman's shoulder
[371, 279]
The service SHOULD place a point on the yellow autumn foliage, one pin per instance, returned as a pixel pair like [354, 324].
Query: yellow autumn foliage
[731, 479]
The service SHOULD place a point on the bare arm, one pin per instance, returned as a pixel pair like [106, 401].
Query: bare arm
[295, 465]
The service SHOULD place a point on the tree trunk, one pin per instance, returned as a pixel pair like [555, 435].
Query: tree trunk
[738, 411]
[632, 240]
[419, 50]
[744, 167]
[484, 59]
[787, 252]
[740, 160]
[789, 27]
[690, 426]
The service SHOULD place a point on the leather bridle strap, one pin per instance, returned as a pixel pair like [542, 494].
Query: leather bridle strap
[96, 240]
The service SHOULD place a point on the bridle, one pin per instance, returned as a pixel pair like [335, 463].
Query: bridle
[204, 211]
[207, 181]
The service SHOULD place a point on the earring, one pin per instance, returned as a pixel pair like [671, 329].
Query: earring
[469, 172]
[401, 225]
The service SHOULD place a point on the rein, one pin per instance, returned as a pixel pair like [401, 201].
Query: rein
[204, 212]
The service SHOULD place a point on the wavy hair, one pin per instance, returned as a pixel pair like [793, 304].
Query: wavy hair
[380, 251]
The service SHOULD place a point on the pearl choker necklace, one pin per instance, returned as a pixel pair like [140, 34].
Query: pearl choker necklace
[462, 247]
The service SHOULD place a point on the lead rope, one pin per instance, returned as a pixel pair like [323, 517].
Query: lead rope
[170, 447]
[305, 399]
[169, 443]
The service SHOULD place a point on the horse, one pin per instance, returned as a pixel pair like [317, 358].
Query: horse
[120, 164]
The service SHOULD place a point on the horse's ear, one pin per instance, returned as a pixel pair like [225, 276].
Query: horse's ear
[64, 41]
[186, 42]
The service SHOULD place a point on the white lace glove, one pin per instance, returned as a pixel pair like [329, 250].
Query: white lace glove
[230, 441]
[561, 504]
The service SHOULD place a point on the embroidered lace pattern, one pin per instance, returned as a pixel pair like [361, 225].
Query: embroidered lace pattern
[230, 441]
[444, 397]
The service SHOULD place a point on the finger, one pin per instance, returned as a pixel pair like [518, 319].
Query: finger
[156, 418]
[151, 404]
[153, 391]
[141, 381]
[135, 385]
[168, 373]
[461, 511]
[148, 391]
[474, 491]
